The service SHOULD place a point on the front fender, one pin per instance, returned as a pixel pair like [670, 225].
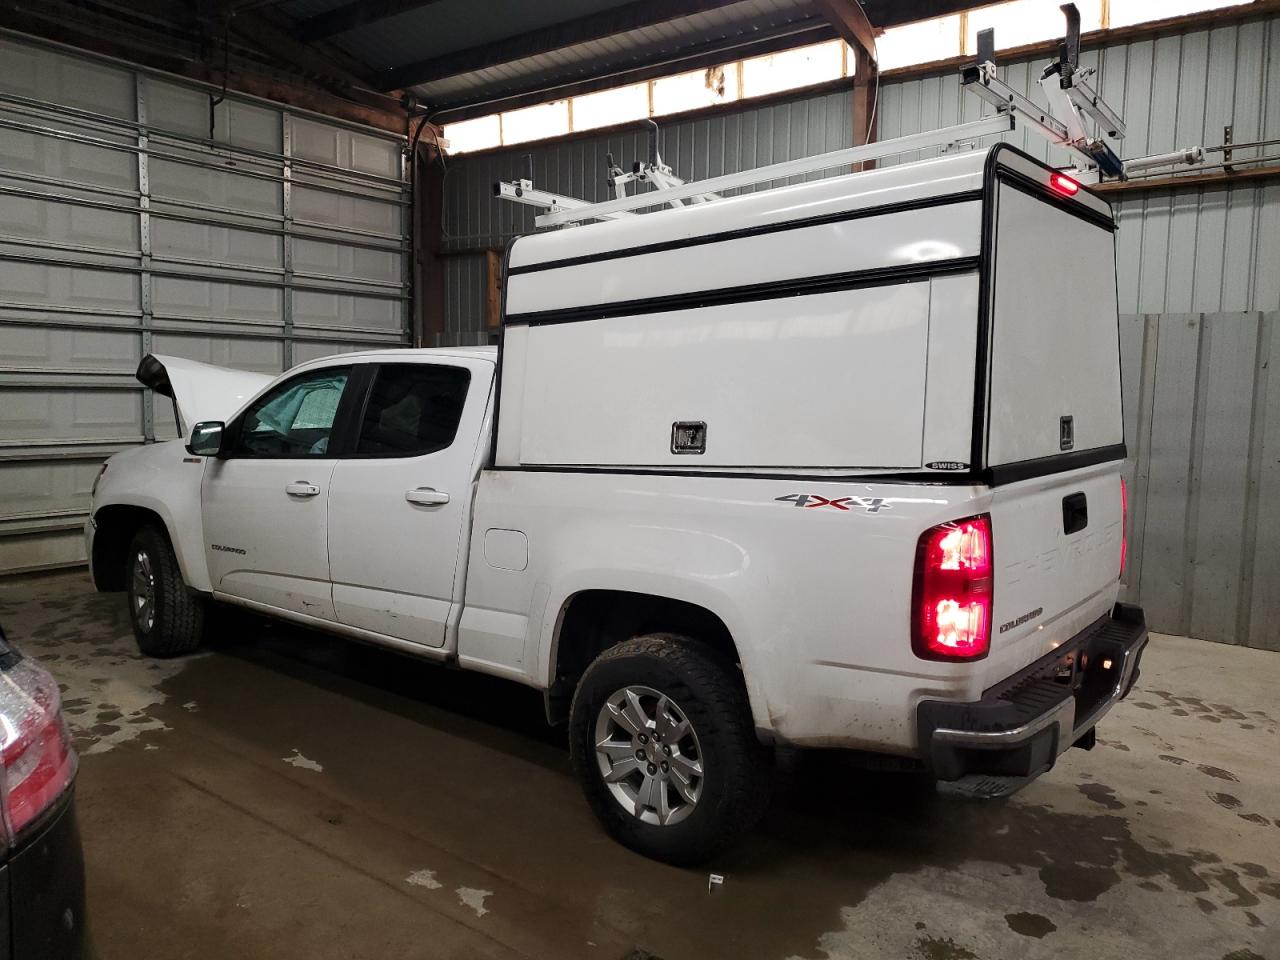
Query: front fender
[164, 479]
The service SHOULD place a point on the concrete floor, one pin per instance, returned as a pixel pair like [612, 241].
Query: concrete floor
[293, 795]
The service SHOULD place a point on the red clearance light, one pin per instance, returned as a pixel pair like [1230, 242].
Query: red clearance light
[1124, 523]
[952, 592]
[1064, 184]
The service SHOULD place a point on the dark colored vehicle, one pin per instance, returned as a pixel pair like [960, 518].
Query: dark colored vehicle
[41, 865]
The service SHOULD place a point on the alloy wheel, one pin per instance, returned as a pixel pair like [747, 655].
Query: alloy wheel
[648, 755]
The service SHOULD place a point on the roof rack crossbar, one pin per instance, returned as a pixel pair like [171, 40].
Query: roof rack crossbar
[1001, 123]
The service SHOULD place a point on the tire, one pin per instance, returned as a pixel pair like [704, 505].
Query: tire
[167, 618]
[674, 677]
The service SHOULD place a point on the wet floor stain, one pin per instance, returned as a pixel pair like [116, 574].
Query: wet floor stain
[110, 692]
[1186, 705]
[1101, 794]
[1030, 924]
[1217, 773]
[943, 948]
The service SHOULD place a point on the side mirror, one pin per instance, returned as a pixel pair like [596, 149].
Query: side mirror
[206, 438]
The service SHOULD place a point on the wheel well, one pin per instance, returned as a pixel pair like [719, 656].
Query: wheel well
[595, 620]
[116, 526]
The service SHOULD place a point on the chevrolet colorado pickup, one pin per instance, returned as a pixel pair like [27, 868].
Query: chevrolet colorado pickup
[836, 464]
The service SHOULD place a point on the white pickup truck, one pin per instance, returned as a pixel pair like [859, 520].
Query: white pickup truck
[835, 464]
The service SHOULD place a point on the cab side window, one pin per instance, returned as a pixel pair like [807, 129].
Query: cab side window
[295, 419]
[413, 409]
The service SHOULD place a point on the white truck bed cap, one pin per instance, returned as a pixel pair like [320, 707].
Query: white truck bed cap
[909, 182]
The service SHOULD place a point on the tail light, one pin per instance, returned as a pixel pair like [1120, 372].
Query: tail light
[37, 764]
[1124, 524]
[952, 595]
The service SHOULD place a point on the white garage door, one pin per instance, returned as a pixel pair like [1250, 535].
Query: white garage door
[125, 230]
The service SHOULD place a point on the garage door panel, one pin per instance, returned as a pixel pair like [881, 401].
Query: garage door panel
[260, 356]
[24, 152]
[185, 110]
[215, 187]
[313, 308]
[182, 297]
[342, 210]
[65, 223]
[42, 283]
[43, 551]
[196, 241]
[90, 288]
[35, 488]
[47, 75]
[339, 260]
[341, 147]
[70, 414]
[69, 348]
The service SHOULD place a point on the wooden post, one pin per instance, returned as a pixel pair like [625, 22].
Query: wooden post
[493, 289]
[430, 323]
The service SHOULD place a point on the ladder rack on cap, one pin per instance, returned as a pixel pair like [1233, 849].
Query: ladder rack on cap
[1064, 82]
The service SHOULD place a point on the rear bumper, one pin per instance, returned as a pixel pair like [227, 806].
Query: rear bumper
[43, 883]
[1020, 727]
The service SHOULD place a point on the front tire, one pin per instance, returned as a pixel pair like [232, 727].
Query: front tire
[665, 748]
[167, 618]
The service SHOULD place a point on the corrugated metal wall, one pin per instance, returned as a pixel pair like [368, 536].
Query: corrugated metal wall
[1204, 476]
[124, 230]
[1204, 249]
[697, 148]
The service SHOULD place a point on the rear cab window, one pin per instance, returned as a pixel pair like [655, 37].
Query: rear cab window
[413, 409]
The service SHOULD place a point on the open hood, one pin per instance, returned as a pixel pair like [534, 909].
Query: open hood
[200, 391]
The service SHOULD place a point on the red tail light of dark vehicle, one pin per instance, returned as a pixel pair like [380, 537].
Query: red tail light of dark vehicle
[37, 764]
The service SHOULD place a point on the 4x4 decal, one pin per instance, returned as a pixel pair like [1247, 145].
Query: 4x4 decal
[811, 500]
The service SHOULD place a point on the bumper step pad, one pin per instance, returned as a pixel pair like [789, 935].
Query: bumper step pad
[996, 745]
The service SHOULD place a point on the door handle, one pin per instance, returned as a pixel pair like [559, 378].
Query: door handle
[428, 496]
[300, 488]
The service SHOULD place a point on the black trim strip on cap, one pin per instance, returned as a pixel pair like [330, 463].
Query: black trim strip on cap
[939, 479]
[741, 233]
[772, 290]
[1058, 463]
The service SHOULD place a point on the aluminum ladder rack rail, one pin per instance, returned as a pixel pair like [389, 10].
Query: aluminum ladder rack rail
[566, 210]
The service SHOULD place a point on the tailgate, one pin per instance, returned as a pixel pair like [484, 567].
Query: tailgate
[1056, 546]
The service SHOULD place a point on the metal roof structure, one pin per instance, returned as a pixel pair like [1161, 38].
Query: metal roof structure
[458, 58]
[463, 58]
